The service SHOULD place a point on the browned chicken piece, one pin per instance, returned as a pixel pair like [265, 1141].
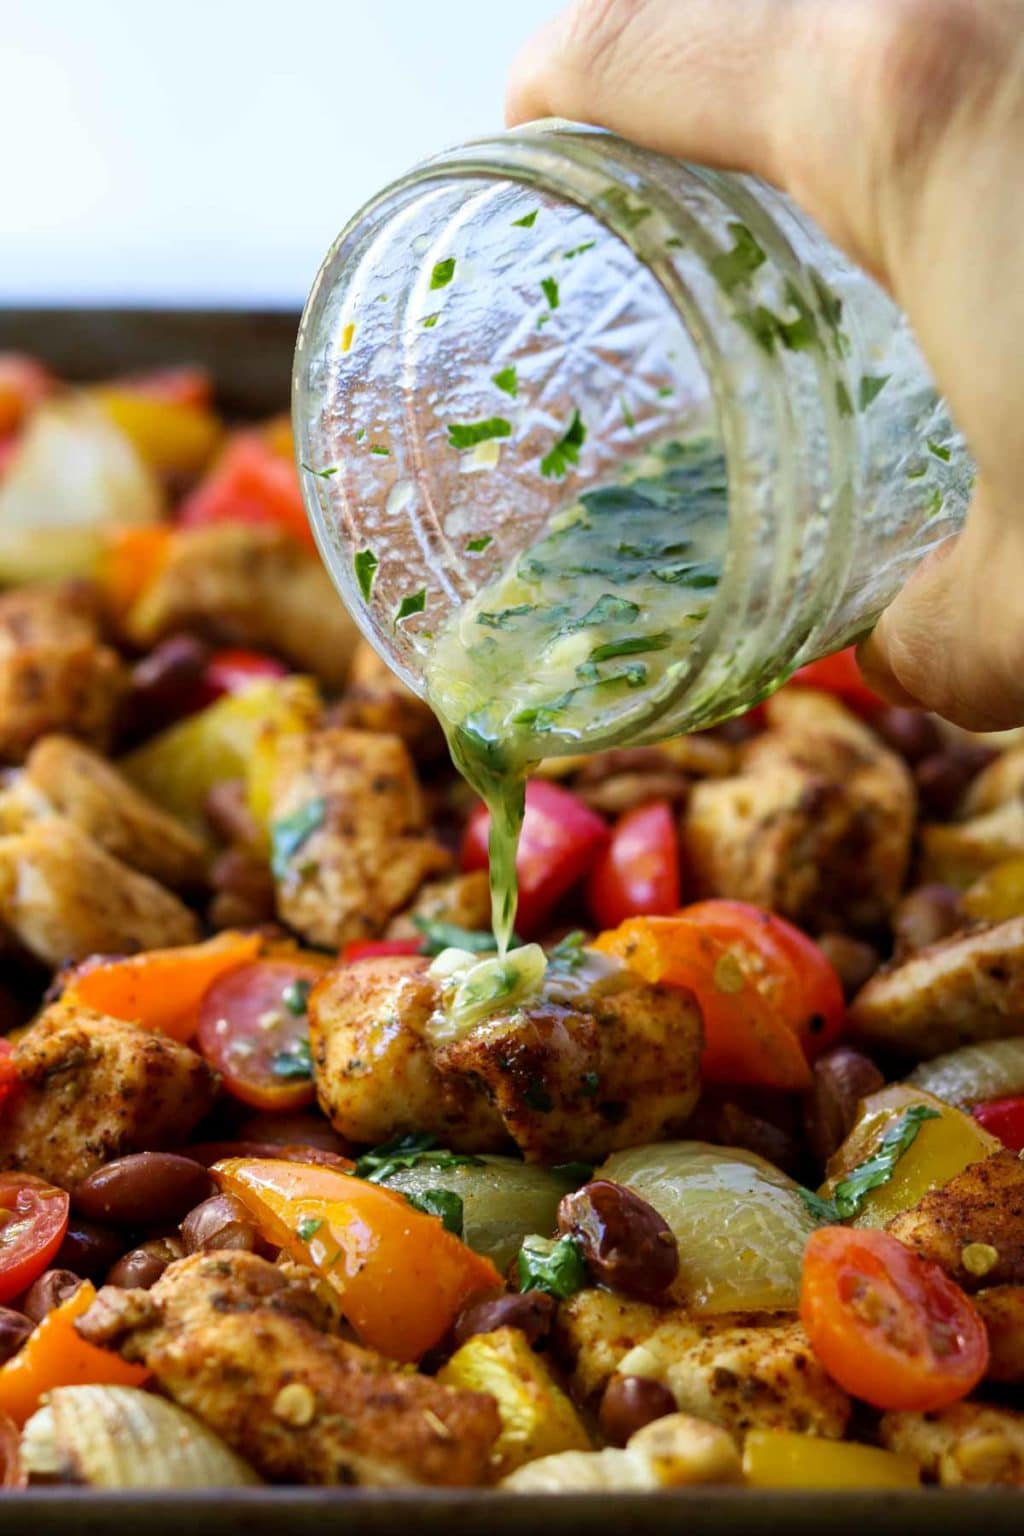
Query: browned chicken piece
[65, 899]
[755, 1372]
[94, 1088]
[90, 792]
[55, 672]
[617, 1066]
[699, 756]
[967, 988]
[974, 1225]
[1002, 1311]
[971, 1443]
[816, 825]
[243, 1346]
[1002, 780]
[463, 900]
[956, 853]
[248, 584]
[376, 700]
[366, 851]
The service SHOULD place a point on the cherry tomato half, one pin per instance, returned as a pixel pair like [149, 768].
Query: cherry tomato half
[24, 382]
[559, 843]
[637, 874]
[1005, 1119]
[8, 1071]
[372, 949]
[892, 1328]
[840, 674]
[254, 1028]
[33, 1220]
[232, 671]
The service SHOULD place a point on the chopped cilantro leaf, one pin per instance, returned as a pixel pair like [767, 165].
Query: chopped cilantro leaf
[438, 935]
[623, 206]
[295, 1064]
[527, 221]
[871, 386]
[443, 1203]
[430, 321]
[939, 450]
[379, 1163]
[567, 954]
[733, 268]
[507, 380]
[555, 463]
[504, 618]
[380, 450]
[288, 834]
[475, 546]
[443, 273]
[308, 1227]
[466, 434]
[631, 645]
[627, 414]
[415, 602]
[296, 996]
[609, 609]
[577, 250]
[360, 435]
[557, 1267]
[366, 564]
[843, 401]
[550, 287]
[321, 474]
[665, 391]
[850, 1193]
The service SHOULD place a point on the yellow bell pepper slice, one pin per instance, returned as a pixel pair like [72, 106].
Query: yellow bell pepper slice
[776, 1458]
[170, 437]
[999, 894]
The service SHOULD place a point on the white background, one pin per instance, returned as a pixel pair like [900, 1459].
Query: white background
[209, 150]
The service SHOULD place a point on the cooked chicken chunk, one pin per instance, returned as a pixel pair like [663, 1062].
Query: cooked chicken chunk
[55, 673]
[967, 988]
[243, 1346]
[248, 584]
[65, 899]
[376, 700]
[1002, 1312]
[366, 851]
[956, 853]
[974, 1225]
[90, 792]
[617, 1066]
[464, 900]
[94, 1088]
[742, 1373]
[816, 825]
[968, 1443]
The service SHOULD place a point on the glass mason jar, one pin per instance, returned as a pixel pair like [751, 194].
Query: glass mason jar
[659, 301]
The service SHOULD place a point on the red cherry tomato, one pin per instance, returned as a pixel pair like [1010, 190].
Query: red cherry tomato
[1005, 1119]
[795, 976]
[254, 1028]
[177, 386]
[232, 671]
[559, 843]
[8, 1071]
[24, 382]
[33, 1220]
[371, 949]
[637, 873]
[889, 1326]
[840, 674]
[249, 483]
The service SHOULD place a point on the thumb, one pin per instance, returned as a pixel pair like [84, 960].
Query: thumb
[952, 640]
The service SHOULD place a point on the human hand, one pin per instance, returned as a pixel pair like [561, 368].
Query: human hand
[899, 126]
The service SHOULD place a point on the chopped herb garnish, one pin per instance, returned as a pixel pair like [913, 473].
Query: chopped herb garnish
[609, 609]
[438, 935]
[665, 391]
[466, 434]
[443, 273]
[411, 1151]
[380, 450]
[536, 1096]
[477, 545]
[631, 645]
[582, 1173]
[504, 618]
[366, 564]
[850, 1193]
[507, 379]
[555, 463]
[543, 319]
[414, 603]
[567, 954]
[627, 414]
[577, 250]
[733, 268]
[431, 320]
[527, 221]
[871, 386]
[321, 474]
[939, 450]
[296, 996]
[843, 401]
[360, 435]
[557, 1267]
[288, 834]
[308, 1227]
[443, 1203]
[550, 288]
[295, 1064]
[622, 205]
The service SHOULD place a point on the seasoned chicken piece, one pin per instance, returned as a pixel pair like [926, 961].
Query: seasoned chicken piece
[357, 846]
[464, 900]
[743, 1373]
[248, 584]
[964, 989]
[376, 700]
[956, 853]
[676, 1451]
[243, 1346]
[1002, 780]
[55, 673]
[94, 1088]
[816, 825]
[1002, 1312]
[65, 899]
[90, 792]
[974, 1225]
[617, 1066]
[969, 1443]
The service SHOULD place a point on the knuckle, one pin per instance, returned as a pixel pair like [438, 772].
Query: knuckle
[598, 36]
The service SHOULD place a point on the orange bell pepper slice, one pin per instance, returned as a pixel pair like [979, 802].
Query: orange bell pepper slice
[131, 561]
[746, 1039]
[54, 1356]
[400, 1278]
[163, 988]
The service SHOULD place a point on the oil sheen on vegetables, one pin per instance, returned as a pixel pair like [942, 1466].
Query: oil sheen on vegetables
[570, 647]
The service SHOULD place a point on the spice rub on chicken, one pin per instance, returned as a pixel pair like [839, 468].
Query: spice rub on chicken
[248, 1349]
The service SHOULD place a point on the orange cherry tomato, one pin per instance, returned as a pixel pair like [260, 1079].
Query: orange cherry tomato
[33, 1220]
[637, 873]
[892, 1328]
[254, 1028]
[373, 949]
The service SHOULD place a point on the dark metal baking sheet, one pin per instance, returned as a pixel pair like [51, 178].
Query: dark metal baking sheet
[250, 353]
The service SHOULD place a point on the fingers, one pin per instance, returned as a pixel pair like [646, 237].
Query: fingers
[952, 640]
